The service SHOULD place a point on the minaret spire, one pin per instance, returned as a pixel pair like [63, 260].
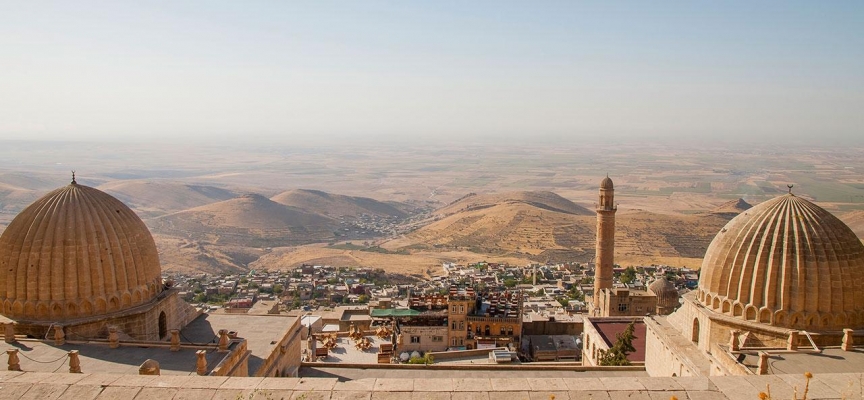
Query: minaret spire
[73, 177]
[605, 251]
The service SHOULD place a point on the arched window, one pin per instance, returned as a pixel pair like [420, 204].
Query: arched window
[488, 331]
[695, 335]
[163, 325]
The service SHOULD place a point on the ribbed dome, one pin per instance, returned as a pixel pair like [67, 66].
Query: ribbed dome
[76, 252]
[606, 183]
[665, 291]
[789, 263]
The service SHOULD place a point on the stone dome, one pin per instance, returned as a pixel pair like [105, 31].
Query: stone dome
[75, 253]
[665, 291]
[789, 263]
[606, 183]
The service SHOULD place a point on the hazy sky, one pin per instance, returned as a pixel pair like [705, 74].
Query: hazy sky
[288, 69]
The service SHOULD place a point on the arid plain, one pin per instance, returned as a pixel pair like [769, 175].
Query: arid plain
[408, 207]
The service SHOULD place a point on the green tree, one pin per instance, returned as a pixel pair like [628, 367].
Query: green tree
[278, 289]
[629, 275]
[563, 301]
[363, 299]
[509, 283]
[617, 354]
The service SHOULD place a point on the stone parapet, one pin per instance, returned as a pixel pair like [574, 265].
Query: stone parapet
[92, 386]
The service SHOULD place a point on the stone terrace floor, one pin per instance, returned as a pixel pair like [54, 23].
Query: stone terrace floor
[35, 385]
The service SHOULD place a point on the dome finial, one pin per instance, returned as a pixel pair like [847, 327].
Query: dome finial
[73, 177]
[790, 188]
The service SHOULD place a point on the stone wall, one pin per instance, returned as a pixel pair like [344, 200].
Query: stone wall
[285, 358]
[137, 323]
[427, 336]
[236, 362]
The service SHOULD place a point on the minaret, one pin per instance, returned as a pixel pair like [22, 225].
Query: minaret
[604, 257]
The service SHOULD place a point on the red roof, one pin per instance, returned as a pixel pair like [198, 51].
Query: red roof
[609, 331]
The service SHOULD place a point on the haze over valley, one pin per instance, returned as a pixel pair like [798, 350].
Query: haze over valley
[407, 208]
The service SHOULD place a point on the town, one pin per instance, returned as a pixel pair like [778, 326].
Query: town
[341, 298]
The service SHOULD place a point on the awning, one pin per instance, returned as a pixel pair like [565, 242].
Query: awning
[393, 312]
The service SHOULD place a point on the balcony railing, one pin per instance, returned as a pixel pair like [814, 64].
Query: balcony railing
[511, 320]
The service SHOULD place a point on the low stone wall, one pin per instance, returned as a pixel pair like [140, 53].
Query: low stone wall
[450, 355]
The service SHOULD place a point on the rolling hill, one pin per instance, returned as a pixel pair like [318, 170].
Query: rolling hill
[732, 207]
[336, 205]
[541, 199]
[249, 220]
[545, 227]
[151, 199]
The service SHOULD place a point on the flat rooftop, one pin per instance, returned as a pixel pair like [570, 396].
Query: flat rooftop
[831, 360]
[262, 332]
[345, 352]
[99, 358]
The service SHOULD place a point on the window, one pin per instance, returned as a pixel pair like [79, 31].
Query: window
[461, 342]
[462, 325]
[453, 309]
[437, 338]
[453, 325]
[415, 339]
[461, 309]
[622, 307]
[453, 342]
[502, 331]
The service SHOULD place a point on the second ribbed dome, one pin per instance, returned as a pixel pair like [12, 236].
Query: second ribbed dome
[786, 262]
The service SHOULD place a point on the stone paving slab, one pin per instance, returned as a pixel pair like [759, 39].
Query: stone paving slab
[351, 395]
[81, 392]
[471, 385]
[625, 384]
[44, 391]
[394, 385]
[549, 395]
[470, 396]
[356, 385]
[547, 384]
[194, 394]
[120, 387]
[118, 393]
[588, 395]
[509, 385]
[433, 385]
[629, 395]
[817, 388]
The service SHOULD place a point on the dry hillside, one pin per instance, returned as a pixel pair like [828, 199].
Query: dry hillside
[541, 199]
[732, 207]
[250, 220]
[539, 231]
[335, 205]
[855, 220]
[152, 199]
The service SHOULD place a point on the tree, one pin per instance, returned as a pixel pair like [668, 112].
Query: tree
[363, 299]
[509, 283]
[629, 275]
[617, 354]
[278, 289]
[563, 301]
